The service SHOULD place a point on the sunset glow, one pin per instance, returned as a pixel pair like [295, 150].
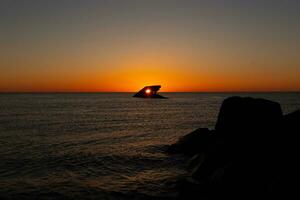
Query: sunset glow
[187, 46]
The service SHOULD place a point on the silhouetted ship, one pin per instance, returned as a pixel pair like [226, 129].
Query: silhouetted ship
[149, 92]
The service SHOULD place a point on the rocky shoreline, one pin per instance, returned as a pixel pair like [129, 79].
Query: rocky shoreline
[252, 153]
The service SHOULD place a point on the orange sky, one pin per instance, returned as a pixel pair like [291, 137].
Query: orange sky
[132, 79]
[99, 46]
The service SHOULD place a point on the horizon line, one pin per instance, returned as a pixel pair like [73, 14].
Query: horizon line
[70, 92]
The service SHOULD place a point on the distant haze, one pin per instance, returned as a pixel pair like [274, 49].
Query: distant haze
[122, 45]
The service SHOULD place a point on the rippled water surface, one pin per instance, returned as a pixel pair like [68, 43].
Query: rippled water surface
[102, 145]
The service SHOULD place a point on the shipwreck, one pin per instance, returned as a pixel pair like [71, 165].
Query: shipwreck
[149, 92]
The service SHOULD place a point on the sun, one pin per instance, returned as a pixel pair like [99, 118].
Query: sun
[148, 91]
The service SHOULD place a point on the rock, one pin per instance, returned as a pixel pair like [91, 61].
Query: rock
[246, 113]
[288, 143]
[291, 121]
[192, 143]
[248, 121]
[191, 189]
[195, 162]
[288, 140]
[252, 153]
[290, 132]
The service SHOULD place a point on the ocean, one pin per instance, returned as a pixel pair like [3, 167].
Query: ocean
[101, 145]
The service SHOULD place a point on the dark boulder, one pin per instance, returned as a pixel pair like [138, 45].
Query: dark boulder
[192, 143]
[289, 144]
[290, 132]
[247, 114]
[291, 121]
[248, 121]
[252, 153]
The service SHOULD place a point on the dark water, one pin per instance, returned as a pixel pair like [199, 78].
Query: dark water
[100, 146]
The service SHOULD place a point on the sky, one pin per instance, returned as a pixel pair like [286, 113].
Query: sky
[123, 45]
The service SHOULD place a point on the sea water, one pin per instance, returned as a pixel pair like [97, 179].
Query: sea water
[101, 145]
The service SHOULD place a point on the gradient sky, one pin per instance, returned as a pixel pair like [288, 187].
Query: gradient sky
[122, 45]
